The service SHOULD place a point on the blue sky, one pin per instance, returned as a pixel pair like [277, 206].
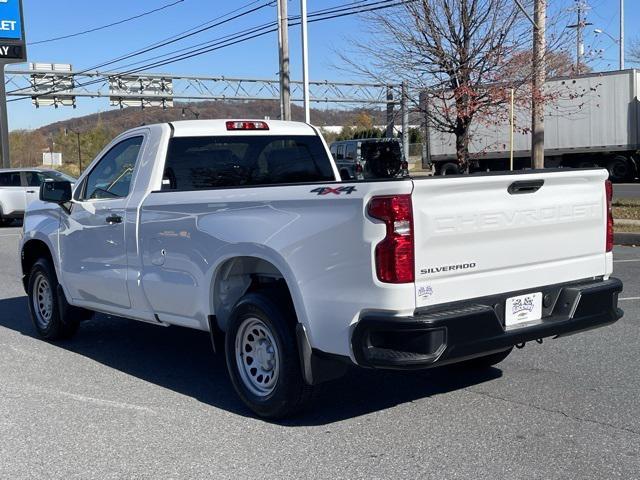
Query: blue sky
[256, 58]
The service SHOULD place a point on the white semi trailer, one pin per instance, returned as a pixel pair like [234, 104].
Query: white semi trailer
[590, 120]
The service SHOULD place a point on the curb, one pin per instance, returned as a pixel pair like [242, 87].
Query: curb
[632, 239]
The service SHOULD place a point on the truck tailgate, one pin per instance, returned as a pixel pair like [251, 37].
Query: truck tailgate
[489, 234]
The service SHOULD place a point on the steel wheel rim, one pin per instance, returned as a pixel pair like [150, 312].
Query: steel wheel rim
[42, 299]
[257, 357]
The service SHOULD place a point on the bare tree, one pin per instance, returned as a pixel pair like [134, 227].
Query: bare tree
[633, 55]
[467, 54]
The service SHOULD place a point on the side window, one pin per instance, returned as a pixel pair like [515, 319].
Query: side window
[333, 151]
[340, 152]
[10, 179]
[34, 179]
[111, 177]
[350, 153]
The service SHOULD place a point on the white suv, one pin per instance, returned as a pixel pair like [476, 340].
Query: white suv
[19, 187]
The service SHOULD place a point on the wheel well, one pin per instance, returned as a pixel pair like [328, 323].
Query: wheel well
[31, 252]
[240, 275]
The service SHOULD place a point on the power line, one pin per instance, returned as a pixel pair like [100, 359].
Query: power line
[175, 38]
[317, 13]
[201, 28]
[314, 17]
[103, 27]
[237, 38]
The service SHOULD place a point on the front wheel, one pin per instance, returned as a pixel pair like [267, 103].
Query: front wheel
[262, 357]
[53, 317]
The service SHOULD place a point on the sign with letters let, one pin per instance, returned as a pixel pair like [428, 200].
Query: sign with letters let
[12, 41]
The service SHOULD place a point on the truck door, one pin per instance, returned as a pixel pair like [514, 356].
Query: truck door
[12, 196]
[92, 236]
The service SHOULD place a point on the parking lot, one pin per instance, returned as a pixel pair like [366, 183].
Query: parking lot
[129, 400]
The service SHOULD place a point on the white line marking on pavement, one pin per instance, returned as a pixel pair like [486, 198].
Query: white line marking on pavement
[626, 261]
[101, 402]
[630, 298]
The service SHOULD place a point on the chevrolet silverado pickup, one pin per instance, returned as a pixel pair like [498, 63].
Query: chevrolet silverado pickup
[243, 229]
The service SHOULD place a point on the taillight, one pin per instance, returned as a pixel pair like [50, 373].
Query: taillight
[359, 168]
[394, 254]
[609, 191]
[236, 125]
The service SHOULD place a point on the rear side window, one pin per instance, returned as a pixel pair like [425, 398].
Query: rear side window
[34, 179]
[10, 179]
[195, 163]
[350, 152]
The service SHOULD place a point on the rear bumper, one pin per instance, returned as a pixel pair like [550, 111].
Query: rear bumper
[460, 331]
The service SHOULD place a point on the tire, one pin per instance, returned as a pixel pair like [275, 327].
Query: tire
[487, 361]
[619, 169]
[270, 381]
[52, 316]
[449, 168]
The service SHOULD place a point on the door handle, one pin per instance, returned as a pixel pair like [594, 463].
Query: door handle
[113, 219]
[526, 186]
[31, 191]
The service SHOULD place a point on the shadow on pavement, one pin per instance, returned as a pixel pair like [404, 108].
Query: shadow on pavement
[182, 360]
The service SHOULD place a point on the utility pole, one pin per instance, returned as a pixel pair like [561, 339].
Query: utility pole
[66, 132]
[621, 34]
[283, 44]
[305, 61]
[390, 113]
[539, 78]
[581, 8]
[404, 104]
[4, 122]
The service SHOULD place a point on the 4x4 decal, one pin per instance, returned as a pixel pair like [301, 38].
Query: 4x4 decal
[335, 191]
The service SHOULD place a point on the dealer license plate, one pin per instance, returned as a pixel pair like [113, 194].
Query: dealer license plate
[523, 309]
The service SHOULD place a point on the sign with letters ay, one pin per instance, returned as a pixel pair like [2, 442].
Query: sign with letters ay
[12, 39]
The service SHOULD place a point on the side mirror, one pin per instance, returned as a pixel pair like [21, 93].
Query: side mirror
[55, 191]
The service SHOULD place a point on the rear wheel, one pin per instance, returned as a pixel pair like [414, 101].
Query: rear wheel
[487, 361]
[449, 168]
[262, 357]
[53, 317]
[619, 169]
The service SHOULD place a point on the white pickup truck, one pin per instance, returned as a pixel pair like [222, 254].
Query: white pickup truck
[244, 230]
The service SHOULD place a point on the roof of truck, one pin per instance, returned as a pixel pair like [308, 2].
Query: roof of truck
[26, 169]
[202, 128]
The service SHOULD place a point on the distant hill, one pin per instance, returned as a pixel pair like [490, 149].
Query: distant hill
[124, 119]
[98, 129]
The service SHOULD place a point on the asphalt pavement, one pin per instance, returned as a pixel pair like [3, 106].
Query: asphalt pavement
[125, 399]
[626, 190]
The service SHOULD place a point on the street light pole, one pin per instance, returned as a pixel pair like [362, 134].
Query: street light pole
[621, 34]
[305, 60]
